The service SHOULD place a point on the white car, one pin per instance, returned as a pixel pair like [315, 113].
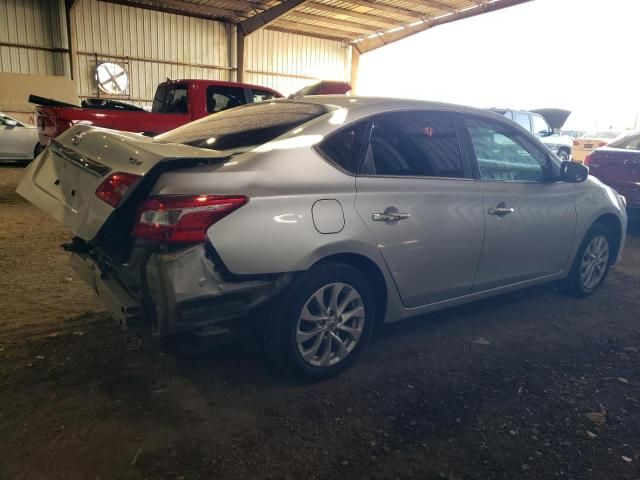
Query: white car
[18, 141]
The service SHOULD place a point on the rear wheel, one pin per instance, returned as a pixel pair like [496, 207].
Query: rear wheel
[322, 323]
[591, 265]
[37, 150]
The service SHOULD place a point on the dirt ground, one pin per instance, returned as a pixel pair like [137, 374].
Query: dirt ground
[531, 385]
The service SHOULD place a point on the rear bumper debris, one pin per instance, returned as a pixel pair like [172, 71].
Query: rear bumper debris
[183, 292]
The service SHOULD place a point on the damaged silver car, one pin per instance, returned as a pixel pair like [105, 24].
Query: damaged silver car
[317, 218]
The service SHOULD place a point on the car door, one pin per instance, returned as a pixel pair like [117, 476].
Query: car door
[417, 198]
[15, 140]
[530, 217]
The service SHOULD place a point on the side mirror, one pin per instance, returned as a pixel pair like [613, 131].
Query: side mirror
[545, 133]
[11, 123]
[573, 172]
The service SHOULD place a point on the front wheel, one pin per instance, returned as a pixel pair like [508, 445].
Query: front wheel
[322, 323]
[563, 155]
[591, 265]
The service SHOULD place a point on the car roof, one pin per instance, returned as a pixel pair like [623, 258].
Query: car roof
[385, 103]
[218, 82]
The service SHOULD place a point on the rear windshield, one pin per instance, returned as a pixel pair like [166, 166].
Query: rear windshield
[245, 126]
[631, 142]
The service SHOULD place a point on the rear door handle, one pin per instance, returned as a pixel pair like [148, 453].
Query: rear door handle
[501, 211]
[389, 216]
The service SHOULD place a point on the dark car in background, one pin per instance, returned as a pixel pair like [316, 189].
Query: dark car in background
[618, 165]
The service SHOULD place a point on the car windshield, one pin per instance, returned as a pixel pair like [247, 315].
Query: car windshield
[630, 142]
[603, 134]
[245, 126]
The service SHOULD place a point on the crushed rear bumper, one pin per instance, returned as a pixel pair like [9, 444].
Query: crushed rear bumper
[182, 292]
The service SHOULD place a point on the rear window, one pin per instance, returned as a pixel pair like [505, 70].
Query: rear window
[170, 99]
[631, 142]
[245, 126]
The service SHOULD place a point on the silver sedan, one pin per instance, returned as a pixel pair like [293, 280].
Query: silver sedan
[18, 141]
[316, 219]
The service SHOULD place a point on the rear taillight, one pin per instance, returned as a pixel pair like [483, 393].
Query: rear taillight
[576, 143]
[183, 218]
[602, 144]
[115, 187]
[588, 159]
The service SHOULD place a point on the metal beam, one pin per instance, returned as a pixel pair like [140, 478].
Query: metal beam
[325, 35]
[363, 17]
[383, 7]
[267, 17]
[240, 42]
[373, 42]
[434, 5]
[303, 28]
[334, 22]
[355, 67]
[184, 8]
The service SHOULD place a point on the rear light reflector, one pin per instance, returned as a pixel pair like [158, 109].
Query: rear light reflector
[115, 187]
[183, 218]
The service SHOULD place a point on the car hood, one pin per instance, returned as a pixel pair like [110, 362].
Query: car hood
[555, 117]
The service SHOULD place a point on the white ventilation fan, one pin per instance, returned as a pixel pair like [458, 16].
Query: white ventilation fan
[112, 78]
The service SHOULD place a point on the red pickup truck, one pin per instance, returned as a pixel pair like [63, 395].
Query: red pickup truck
[175, 103]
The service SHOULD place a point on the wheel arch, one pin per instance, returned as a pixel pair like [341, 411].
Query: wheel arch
[372, 273]
[612, 222]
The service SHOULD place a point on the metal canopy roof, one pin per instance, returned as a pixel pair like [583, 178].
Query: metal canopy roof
[366, 24]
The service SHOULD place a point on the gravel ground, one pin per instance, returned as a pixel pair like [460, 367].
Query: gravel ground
[530, 385]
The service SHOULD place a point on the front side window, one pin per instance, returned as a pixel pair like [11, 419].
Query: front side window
[345, 146]
[171, 99]
[262, 95]
[522, 119]
[540, 125]
[423, 144]
[504, 154]
[220, 97]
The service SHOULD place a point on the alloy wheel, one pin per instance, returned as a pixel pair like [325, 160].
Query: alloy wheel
[330, 324]
[594, 262]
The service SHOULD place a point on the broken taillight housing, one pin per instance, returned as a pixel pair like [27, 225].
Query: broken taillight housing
[115, 187]
[183, 218]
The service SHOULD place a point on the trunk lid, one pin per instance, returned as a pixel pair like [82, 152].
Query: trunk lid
[63, 180]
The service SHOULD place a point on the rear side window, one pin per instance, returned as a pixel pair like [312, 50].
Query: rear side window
[221, 97]
[344, 148]
[523, 120]
[261, 95]
[246, 126]
[423, 144]
[540, 125]
[170, 99]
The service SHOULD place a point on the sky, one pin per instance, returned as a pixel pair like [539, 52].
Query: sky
[581, 55]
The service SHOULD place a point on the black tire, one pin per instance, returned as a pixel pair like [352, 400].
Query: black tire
[564, 155]
[37, 150]
[281, 333]
[573, 283]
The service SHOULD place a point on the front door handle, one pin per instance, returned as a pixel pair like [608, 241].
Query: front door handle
[389, 216]
[501, 211]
